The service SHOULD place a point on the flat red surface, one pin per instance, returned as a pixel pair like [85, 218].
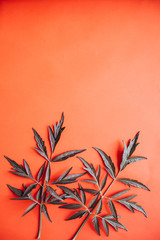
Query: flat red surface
[98, 61]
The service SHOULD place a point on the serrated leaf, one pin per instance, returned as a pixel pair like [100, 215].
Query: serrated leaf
[92, 191]
[45, 211]
[96, 225]
[107, 161]
[99, 206]
[138, 208]
[32, 206]
[58, 180]
[132, 182]
[105, 225]
[53, 193]
[66, 190]
[14, 164]
[113, 209]
[124, 156]
[78, 214]
[40, 173]
[38, 195]
[93, 169]
[40, 143]
[48, 173]
[27, 168]
[126, 204]
[29, 188]
[93, 202]
[16, 191]
[51, 139]
[71, 206]
[98, 173]
[58, 129]
[119, 193]
[90, 181]
[90, 171]
[66, 155]
[83, 195]
[41, 153]
[77, 194]
[20, 174]
[116, 224]
[133, 144]
[128, 198]
[104, 182]
[74, 176]
[29, 194]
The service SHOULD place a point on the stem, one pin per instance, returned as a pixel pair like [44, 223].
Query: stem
[40, 222]
[94, 207]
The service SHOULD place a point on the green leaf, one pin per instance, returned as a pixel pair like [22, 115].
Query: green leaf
[15, 165]
[90, 181]
[98, 173]
[39, 192]
[138, 208]
[16, 191]
[40, 173]
[133, 144]
[119, 193]
[96, 225]
[71, 206]
[40, 143]
[128, 198]
[78, 214]
[132, 182]
[51, 139]
[104, 182]
[92, 191]
[29, 188]
[116, 224]
[66, 155]
[83, 195]
[41, 153]
[105, 225]
[58, 180]
[113, 209]
[107, 161]
[20, 174]
[27, 168]
[93, 202]
[99, 206]
[126, 204]
[48, 173]
[53, 193]
[31, 207]
[45, 211]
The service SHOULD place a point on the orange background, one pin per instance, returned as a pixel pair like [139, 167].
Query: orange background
[99, 62]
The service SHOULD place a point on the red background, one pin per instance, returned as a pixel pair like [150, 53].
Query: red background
[98, 61]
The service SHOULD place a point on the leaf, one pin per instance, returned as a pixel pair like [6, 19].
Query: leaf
[20, 174]
[116, 224]
[98, 173]
[96, 225]
[77, 194]
[128, 198]
[74, 176]
[58, 129]
[41, 153]
[51, 139]
[113, 209]
[45, 211]
[93, 202]
[32, 206]
[27, 168]
[105, 225]
[132, 182]
[99, 206]
[92, 191]
[53, 193]
[138, 208]
[124, 157]
[29, 194]
[14, 164]
[29, 188]
[16, 191]
[83, 195]
[90, 181]
[66, 190]
[119, 193]
[40, 173]
[107, 161]
[21, 198]
[40, 143]
[62, 176]
[126, 204]
[71, 206]
[104, 182]
[133, 144]
[78, 214]
[39, 192]
[66, 155]
[48, 173]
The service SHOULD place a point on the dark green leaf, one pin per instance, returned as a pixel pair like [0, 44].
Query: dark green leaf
[96, 225]
[14, 164]
[90, 181]
[21, 198]
[107, 161]
[44, 196]
[66, 155]
[128, 198]
[16, 191]
[126, 204]
[116, 224]
[29, 188]
[78, 214]
[39, 192]
[105, 225]
[44, 210]
[93, 202]
[71, 206]
[27, 168]
[41, 171]
[53, 193]
[119, 193]
[32, 206]
[66, 190]
[51, 139]
[98, 173]
[113, 209]
[77, 195]
[93, 169]
[74, 176]
[28, 194]
[62, 176]
[58, 129]
[83, 195]
[41, 153]
[67, 181]
[138, 208]
[104, 182]
[40, 143]
[132, 182]
[48, 173]
[99, 206]
[92, 191]
[20, 174]
[133, 144]
[124, 157]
